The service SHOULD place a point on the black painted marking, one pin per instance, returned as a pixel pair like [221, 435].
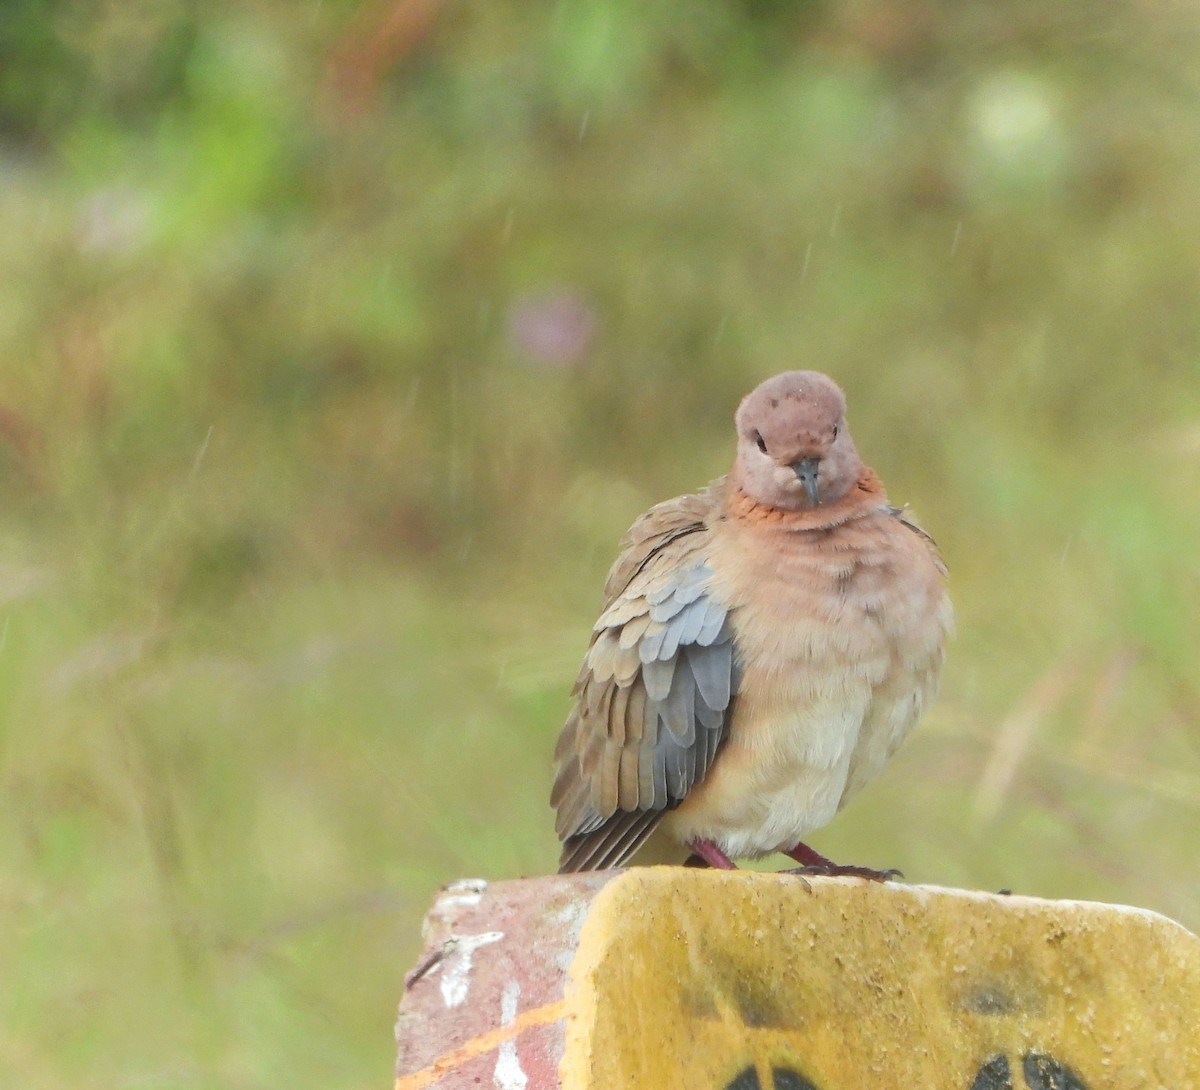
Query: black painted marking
[1044, 1072]
[990, 999]
[1041, 1072]
[784, 1078]
[747, 1080]
[994, 1075]
[787, 1079]
[758, 1003]
[762, 1008]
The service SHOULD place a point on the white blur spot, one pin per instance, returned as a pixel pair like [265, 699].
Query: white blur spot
[1014, 116]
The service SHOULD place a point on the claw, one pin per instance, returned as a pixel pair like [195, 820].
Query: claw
[797, 873]
[818, 865]
[833, 870]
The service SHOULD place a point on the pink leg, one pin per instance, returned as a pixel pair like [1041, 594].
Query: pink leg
[813, 862]
[712, 855]
[806, 857]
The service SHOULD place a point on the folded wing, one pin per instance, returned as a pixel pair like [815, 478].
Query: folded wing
[653, 693]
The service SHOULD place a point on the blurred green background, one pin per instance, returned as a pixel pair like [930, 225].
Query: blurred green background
[340, 342]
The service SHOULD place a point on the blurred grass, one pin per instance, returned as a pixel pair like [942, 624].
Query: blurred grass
[339, 344]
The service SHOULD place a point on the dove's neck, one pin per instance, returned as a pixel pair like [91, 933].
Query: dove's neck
[866, 497]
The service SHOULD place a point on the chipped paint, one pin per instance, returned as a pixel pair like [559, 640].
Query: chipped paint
[465, 893]
[456, 967]
[571, 917]
[509, 1075]
[470, 1050]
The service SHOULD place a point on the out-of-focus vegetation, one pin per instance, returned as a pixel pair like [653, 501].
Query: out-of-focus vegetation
[340, 342]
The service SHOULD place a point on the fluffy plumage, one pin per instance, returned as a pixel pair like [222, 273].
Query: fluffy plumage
[764, 647]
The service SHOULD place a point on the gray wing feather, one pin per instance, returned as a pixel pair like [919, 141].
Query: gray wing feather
[678, 712]
[690, 622]
[664, 611]
[650, 644]
[656, 676]
[683, 627]
[677, 780]
[715, 628]
[679, 599]
[685, 667]
[712, 667]
[658, 594]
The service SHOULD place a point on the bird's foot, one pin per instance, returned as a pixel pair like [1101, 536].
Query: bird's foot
[834, 870]
[814, 863]
[708, 854]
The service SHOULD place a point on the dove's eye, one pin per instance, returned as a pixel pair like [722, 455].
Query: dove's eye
[760, 441]
[835, 431]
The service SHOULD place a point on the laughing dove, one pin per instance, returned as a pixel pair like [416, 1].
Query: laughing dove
[765, 645]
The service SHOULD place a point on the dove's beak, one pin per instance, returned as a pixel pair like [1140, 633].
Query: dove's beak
[806, 473]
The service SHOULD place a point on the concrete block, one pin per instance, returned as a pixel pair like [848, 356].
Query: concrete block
[663, 977]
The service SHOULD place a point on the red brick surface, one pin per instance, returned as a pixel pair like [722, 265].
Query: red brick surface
[482, 1006]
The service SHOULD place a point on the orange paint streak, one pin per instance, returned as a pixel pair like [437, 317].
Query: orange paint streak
[485, 1042]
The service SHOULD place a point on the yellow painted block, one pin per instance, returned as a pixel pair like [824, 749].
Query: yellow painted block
[737, 981]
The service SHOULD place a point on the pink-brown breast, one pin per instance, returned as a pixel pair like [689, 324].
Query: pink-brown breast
[839, 634]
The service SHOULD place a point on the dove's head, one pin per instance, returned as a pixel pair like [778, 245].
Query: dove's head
[794, 450]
